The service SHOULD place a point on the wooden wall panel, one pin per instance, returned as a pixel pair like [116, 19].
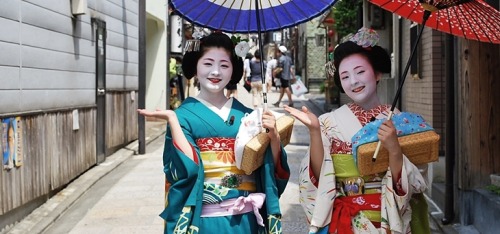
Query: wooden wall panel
[121, 119]
[478, 114]
[132, 126]
[54, 154]
[115, 119]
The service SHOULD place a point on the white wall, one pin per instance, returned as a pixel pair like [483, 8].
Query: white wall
[156, 55]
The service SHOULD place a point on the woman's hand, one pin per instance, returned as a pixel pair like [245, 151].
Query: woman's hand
[176, 131]
[161, 114]
[389, 139]
[316, 150]
[387, 135]
[307, 118]
[269, 122]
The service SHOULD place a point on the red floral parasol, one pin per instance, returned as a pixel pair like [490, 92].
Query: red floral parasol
[471, 19]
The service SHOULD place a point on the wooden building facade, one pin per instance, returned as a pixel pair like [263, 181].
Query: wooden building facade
[68, 90]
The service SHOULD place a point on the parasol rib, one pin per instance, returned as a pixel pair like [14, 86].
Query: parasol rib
[481, 15]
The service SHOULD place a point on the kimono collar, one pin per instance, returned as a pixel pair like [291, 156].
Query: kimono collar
[365, 116]
[223, 113]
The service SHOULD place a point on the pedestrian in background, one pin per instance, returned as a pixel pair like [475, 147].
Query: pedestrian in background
[285, 63]
[271, 65]
[208, 193]
[256, 78]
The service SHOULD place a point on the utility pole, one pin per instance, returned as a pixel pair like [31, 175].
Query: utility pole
[142, 76]
[169, 37]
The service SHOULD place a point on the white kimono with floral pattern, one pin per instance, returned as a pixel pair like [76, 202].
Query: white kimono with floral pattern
[318, 201]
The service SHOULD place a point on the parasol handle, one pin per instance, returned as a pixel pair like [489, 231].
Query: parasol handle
[426, 16]
[374, 158]
[261, 52]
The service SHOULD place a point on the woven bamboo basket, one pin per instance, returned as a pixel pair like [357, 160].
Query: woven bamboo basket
[253, 154]
[420, 148]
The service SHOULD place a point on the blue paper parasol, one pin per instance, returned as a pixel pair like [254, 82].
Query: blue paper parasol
[240, 16]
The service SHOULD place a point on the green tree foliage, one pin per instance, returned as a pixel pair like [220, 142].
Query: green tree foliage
[345, 13]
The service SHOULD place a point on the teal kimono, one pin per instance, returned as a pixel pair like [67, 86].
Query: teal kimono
[190, 188]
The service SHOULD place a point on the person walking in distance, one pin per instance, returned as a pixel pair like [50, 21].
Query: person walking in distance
[285, 63]
[271, 65]
[256, 78]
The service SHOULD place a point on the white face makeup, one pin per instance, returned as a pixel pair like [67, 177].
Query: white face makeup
[359, 80]
[214, 70]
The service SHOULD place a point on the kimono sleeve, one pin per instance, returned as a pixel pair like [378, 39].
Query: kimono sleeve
[398, 209]
[182, 174]
[317, 202]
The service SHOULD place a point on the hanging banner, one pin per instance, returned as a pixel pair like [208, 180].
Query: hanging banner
[176, 34]
[18, 156]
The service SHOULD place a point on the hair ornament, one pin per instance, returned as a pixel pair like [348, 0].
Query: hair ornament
[365, 37]
[241, 47]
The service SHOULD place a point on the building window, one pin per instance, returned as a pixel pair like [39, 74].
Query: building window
[320, 40]
[415, 62]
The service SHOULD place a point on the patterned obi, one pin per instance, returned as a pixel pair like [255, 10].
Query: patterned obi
[351, 184]
[219, 164]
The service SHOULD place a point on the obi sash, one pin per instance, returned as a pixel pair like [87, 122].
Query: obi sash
[347, 206]
[219, 164]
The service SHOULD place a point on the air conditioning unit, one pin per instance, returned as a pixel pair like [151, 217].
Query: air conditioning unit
[78, 7]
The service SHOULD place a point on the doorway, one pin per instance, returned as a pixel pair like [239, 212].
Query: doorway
[100, 56]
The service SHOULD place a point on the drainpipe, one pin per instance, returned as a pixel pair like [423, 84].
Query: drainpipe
[450, 131]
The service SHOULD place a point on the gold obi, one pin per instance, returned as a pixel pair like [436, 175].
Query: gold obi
[219, 164]
[350, 183]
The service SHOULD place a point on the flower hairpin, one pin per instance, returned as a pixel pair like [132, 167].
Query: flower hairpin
[242, 47]
[365, 37]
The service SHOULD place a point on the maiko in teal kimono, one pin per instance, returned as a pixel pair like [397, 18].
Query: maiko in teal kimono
[211, 178]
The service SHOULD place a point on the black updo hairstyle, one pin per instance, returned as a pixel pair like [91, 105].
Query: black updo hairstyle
[218, 40]
[377, 56]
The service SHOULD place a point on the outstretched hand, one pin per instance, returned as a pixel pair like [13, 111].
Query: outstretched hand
[305, 116]
[158, 113]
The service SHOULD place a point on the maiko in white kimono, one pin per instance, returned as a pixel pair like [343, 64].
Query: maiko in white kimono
[336, 201]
